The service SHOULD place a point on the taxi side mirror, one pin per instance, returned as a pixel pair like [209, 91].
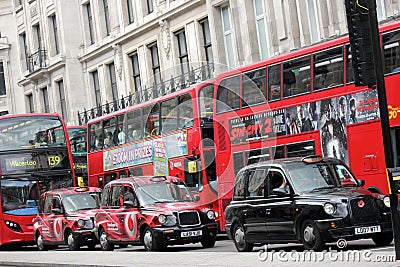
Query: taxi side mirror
[361, 183]
[56, 211]
[130, 204]
[196, 198]
[279, 191]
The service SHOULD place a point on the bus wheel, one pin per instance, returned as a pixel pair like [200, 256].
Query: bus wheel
[72, 245]
[240, 240]
[311, 236]
[150, 242]
[39, 242]
[383, 239]
[104, 243]
[208, 242]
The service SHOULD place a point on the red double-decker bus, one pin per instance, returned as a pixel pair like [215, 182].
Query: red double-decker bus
[35, 156]
[305, 102]
[78, 140]
[171, 135]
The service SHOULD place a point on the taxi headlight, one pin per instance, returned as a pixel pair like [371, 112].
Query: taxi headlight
[85, 224]
[162, 218]
[211, 215]
[386, 201]
[81, 223]
[329, 208]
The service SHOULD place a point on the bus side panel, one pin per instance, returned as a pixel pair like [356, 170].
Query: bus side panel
[366, 154]
[393, 99]
[95, 167]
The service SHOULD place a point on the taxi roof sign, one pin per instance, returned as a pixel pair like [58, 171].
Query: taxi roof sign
[82, 189]
[312, 159]
[158, 178]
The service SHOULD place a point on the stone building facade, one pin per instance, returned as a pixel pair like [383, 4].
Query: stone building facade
[72, 56]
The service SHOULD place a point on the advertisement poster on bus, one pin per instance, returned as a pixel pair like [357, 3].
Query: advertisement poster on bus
[253, 127]
[173, 145]
[160, 161]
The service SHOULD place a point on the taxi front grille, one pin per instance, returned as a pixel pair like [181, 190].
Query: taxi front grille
[188, 218]
[363, 211]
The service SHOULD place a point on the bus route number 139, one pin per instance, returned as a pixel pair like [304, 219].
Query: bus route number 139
[53, 160]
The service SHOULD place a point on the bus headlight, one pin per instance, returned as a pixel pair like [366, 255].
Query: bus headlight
[210, 214]
[329, 208]
[386, 201]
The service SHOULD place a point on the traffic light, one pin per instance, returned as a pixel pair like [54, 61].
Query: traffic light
[358, 22]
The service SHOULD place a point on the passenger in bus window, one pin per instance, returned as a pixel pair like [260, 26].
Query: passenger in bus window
[121, 136]
[108, 140]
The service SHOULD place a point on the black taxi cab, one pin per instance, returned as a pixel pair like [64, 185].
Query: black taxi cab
[311, 200]
[155, 211]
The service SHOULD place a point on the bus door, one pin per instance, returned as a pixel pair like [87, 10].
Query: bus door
[396, 145]
[192, 174]
[366, 155]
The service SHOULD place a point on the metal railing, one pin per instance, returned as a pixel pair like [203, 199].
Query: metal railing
[37, 60]
[203, 73]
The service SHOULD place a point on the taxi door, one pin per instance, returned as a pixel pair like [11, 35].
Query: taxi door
[56, 221]
[114, 213]
[129, 215]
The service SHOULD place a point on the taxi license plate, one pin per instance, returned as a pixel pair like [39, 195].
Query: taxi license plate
[368, 230]
[191, 233]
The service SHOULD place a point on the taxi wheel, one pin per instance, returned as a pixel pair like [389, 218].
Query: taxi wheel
[39, 242]
[383, 239]
[208, 242]
[240, 240]
[104, 243]
[72, 244]
[150, 242]
[311, 237]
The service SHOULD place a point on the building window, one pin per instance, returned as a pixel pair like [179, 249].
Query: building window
[136, 71]
[150, 7]
[155, 62]
[31, 107]
[37, 37]
[207, 40]
[106, 17]
[313, 21]
[131, 17]
[261, 24]
[3, 90]
[90, 23]
[45, 100]
[183, 54]
[228, 36]
[96, 87]
[24, 50]
[113, 81]
[61, 92]
[55, 34]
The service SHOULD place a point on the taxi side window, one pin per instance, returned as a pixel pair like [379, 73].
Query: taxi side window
[240, 186]
[116, 192]
[256, 185]
[276, 180]
[47, 204]
[105, 196]
[56, 203]
[129, 194]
